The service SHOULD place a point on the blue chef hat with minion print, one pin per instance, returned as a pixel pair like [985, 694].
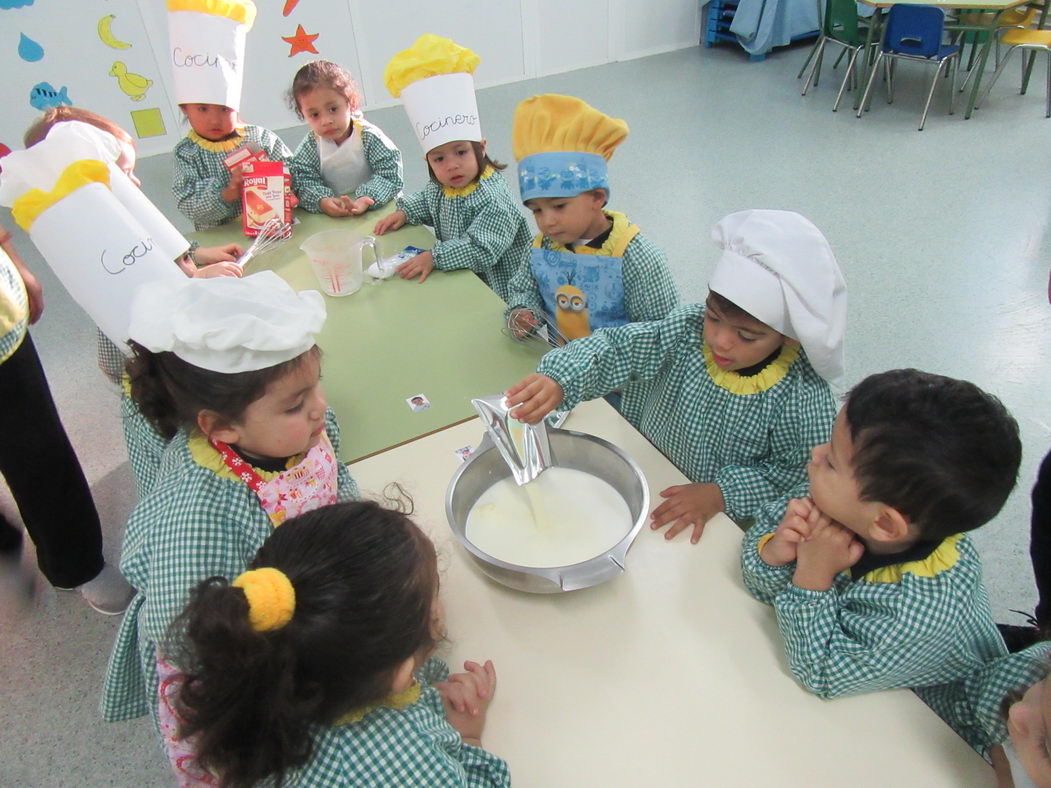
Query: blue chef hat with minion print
[562, 145]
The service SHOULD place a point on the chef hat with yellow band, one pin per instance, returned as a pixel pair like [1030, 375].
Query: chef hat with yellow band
[434, 80]
[562, 145]
[101, 248]
[207, 49]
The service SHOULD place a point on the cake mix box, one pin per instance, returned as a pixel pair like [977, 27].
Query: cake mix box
[266, 194]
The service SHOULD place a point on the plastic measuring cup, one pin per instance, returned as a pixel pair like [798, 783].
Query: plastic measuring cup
[335, 256]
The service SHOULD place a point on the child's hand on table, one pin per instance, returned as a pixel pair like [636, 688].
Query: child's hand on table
[686, 505]
[466, 697]
[394, 221]
[335, 206]
[537, 395]
[421, 265]
[225, 268]
[206, 255]
[522, 322]
[232, 191]
[801, 519]
[828, 550]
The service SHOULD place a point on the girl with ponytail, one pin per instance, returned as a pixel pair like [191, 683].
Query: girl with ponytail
[313, 668]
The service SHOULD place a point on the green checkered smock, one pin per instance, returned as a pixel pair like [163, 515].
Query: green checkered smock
[755, 446]
[200, 174]
[14, 307]
[383, 157]
[916, 624]
[974, 706]
[479, 227]
[649, 290]
[145, 445]
[194, 524]
[410, 747]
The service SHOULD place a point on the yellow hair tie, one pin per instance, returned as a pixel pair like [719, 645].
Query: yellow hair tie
[271, 597]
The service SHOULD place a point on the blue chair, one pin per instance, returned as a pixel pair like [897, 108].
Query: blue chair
[914, 32]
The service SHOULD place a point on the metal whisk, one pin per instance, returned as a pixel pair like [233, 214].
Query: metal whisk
[546, 333]
[271, 235]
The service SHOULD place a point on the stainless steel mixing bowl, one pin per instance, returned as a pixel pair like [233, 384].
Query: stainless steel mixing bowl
[569, 450]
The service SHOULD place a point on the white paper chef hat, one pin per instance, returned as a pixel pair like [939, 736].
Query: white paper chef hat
[778, 267]
[434, 79]
[98, 249]
[41, 165]
[206, 49]
[226, 324]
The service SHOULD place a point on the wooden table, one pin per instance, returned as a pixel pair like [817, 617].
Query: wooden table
[398, 338]
[996, 6]
[670, 674]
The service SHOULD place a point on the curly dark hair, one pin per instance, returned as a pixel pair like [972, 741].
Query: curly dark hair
[323, 74]
[170, 392]
[941, 451]
[365, 579]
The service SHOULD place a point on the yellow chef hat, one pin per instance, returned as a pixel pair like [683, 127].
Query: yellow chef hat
[434, 80]
[562, 145]
[207, 48]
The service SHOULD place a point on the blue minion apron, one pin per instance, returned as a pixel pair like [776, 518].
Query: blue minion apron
[583, 289]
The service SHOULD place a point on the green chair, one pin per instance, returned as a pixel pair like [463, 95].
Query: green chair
[841, 27]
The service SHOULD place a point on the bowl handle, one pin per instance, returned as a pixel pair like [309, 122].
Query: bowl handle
[573, 581]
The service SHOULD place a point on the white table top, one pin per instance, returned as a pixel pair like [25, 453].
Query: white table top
[668, 675]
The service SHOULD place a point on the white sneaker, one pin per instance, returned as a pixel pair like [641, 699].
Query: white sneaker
[108, 593]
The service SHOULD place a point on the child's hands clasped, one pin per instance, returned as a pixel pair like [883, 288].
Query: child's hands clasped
[345, 206]
[421, 265]
[389, 223]
[686, 505]
[466, 697]
[335, 206]
[800, 520]
[829, 550]
[537, 395]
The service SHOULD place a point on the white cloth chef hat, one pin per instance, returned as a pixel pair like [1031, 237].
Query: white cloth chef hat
[778, 267]
[226, 324]
[207, 49]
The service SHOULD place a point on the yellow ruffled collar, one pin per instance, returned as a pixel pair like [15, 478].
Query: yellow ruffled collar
[396, 700]
[609, 246]
[223, 146]
[205, 455]
[463, 191]
[767, 378]
[944, 557]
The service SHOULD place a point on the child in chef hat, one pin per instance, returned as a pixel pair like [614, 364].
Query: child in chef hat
[207, 41]
[734, 391]
[589, 267]
[467, 202]
[227, 369]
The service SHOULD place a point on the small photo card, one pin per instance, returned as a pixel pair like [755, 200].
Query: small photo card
[418, 403]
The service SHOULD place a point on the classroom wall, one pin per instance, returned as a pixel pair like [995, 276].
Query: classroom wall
[76, 51]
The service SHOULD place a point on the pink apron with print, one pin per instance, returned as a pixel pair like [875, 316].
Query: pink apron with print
[309, 485]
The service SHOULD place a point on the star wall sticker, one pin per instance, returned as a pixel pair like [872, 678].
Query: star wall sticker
[301, 41]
